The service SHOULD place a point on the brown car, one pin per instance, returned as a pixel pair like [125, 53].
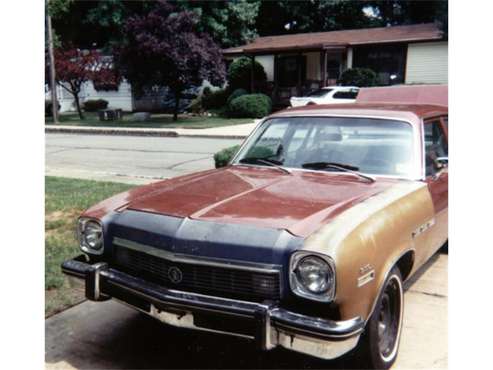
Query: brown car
[303, 241]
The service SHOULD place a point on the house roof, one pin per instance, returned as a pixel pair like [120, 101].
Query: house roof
[339, 39]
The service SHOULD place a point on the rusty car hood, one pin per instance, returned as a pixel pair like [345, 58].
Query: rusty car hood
[261, 196]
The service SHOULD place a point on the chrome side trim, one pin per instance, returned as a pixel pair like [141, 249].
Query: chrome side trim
[422, 228]
[366, 278]
[196, 260]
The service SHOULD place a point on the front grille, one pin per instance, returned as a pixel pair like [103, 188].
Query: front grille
[214, 280]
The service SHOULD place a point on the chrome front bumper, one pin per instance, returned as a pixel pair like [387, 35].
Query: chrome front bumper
[269, 326]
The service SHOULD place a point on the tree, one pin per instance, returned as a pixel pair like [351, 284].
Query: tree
[286, 16]
[98, 24]
[54, 8]
[229, 23]
[164, 48]
[239, 74]
[74, 67]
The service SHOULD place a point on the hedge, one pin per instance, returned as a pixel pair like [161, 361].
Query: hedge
[236, 94]
[48, 109]
[250, 106]
[95, 105]
[223, 157]
[361, 77]
[214, 99]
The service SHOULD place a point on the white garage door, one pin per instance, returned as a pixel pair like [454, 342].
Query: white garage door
[427, 63]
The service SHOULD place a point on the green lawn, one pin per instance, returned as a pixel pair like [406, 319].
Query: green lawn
[65, 199]
[156, 121]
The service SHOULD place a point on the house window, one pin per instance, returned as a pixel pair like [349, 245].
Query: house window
[333, 69]
[288, 68]
[387, 61]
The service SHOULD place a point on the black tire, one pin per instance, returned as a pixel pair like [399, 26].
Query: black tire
[379, 344]
[444, 248]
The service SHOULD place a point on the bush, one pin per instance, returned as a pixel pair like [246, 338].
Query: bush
[260, 152]
[223, 157]
[361, 77]
[195, 106]
[214, 99]
[95, 105]
[239, 74]
[236, 94]
[250, 106]
[48, 109]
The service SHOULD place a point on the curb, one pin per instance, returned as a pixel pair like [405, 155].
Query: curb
[108, 131]
[129, 132]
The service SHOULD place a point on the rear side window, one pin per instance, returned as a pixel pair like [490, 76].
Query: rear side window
[435, 146]
[346, 94]
[319, 93]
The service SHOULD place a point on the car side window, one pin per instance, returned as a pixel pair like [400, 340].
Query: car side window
[435, 146]
[345, 94]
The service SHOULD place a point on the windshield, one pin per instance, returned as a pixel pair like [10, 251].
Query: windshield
[368, 145]
[319, 93]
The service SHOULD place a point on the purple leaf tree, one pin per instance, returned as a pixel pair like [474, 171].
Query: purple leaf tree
[164, 48]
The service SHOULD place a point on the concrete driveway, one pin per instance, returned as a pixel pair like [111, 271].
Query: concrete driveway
[112, 336]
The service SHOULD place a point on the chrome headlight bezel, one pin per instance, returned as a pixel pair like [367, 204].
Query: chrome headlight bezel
[297, 286]
[82, 229]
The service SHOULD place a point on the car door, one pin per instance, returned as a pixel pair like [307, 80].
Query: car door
[436, 169]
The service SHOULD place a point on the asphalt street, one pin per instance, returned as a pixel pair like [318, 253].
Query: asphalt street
[132, 159]
[110, 335]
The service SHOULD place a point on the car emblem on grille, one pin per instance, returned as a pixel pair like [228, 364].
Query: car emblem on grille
[175, 275]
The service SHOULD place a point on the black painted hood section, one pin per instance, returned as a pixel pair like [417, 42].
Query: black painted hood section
[243, 243]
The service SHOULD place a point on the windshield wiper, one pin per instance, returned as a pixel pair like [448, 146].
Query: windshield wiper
[266, 161]
[340, 166]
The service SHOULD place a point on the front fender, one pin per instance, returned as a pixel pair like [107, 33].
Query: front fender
[368, 239]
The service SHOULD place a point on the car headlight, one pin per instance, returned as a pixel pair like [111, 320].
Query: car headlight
[312, 276]
[90, 234]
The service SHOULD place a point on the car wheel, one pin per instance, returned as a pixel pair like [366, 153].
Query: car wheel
[380, 342]
[311, 103]
[444, 248]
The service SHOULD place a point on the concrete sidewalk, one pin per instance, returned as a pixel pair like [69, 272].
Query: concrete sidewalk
[224, 132]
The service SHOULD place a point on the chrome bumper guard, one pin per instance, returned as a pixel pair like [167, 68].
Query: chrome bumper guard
[274, 326]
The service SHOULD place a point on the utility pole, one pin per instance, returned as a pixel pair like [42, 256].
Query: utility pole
[54, 101]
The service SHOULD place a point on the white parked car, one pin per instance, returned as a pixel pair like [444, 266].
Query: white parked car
[327, 95]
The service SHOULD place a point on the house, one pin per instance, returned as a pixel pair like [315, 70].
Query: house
[159, 99]
[297, 63]
[118, 98]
